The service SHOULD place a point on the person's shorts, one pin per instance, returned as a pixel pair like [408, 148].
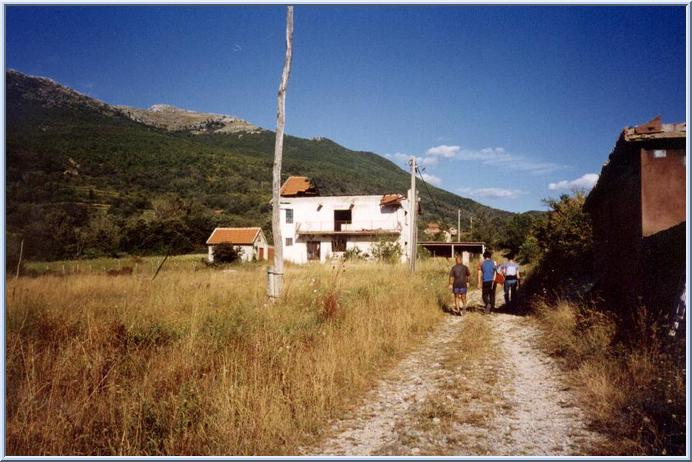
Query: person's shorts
[459, 290]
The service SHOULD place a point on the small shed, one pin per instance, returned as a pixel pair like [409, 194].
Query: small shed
[251, 241]
[451, 249]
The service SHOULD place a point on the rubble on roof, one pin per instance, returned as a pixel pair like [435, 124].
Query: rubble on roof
[296, 186]
[655, 129]
[391, 200]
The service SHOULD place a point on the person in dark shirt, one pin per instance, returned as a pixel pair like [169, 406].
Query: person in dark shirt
[458, 282]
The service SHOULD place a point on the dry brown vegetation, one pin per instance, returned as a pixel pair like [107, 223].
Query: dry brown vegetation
[197, 362]
[633, 391]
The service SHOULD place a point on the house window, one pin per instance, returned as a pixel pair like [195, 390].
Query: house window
[289, 216]
[289, 241]
[338, 244]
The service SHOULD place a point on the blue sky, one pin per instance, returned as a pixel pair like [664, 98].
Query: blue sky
[507, 105]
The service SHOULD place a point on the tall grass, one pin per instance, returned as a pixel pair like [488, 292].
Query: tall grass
[633, 391]
[198, 362]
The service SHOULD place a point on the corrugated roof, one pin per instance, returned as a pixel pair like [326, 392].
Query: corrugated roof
[298, 186]
[238, 236]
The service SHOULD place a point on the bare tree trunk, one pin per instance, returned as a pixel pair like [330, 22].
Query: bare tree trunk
[278, 271]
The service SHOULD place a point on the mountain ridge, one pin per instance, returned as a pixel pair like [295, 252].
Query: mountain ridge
[113, 184]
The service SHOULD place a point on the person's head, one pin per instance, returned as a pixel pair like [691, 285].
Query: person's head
[487, 254]
[458, 258]
[510, 256]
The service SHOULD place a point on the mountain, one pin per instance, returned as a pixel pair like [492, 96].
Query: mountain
[175, 119]
[86, 178]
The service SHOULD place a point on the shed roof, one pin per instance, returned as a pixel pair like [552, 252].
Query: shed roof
[298, 186]
[238, 236]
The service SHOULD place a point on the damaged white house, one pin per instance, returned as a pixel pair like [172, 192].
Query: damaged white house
[317, 228]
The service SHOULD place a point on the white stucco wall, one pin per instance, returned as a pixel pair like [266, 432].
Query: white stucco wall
[317, 214]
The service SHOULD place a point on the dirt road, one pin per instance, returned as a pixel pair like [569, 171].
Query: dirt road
[478, 386]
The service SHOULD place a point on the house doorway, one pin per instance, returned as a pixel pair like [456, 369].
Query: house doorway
[313, 250]
[261, 253]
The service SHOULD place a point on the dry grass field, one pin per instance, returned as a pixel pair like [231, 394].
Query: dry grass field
[197, 361]
[634, 392]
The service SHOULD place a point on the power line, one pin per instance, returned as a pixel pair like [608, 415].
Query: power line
[439, 215]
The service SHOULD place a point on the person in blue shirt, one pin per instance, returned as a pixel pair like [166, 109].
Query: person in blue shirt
[486, 280]
[510, 270]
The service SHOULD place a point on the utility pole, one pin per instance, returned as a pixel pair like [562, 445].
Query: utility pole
[458, 225]
[471, 226]
[276, 274]
[413, 238]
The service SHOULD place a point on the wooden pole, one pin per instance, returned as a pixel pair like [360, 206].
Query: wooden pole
[160, 265]
[414, 212]
[458, 225]
[21, 254]
[277, 272]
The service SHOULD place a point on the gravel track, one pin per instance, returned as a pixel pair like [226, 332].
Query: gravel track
[512, 401]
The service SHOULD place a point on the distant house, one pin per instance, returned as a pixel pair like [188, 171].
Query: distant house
[251, 241]
[432, 229]
[316, 228]
[638, 214]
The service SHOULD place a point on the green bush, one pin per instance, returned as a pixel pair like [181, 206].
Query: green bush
[226, 253]
[386, 250]
[354, 254]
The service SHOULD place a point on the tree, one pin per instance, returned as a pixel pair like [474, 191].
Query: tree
[564, 240]
[516, 232]
[565, 236]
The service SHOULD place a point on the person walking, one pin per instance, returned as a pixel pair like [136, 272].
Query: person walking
[510, 270]
[486, 280]
[458, 284]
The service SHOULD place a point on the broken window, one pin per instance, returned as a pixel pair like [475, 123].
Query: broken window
[338, 244]
[341, 217]
[313, 248]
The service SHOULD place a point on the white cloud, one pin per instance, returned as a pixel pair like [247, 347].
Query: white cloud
[495, 193]
[585, 182]
[398, 156]
[499, 157]
[432, 179]
[443, 151]
[428, 161]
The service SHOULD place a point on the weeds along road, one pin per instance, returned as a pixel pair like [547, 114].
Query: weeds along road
[477, 386]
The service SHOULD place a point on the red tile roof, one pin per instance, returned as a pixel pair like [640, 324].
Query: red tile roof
[298, 186]
[238, 236]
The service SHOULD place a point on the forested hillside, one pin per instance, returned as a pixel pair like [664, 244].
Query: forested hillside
[84, 179]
